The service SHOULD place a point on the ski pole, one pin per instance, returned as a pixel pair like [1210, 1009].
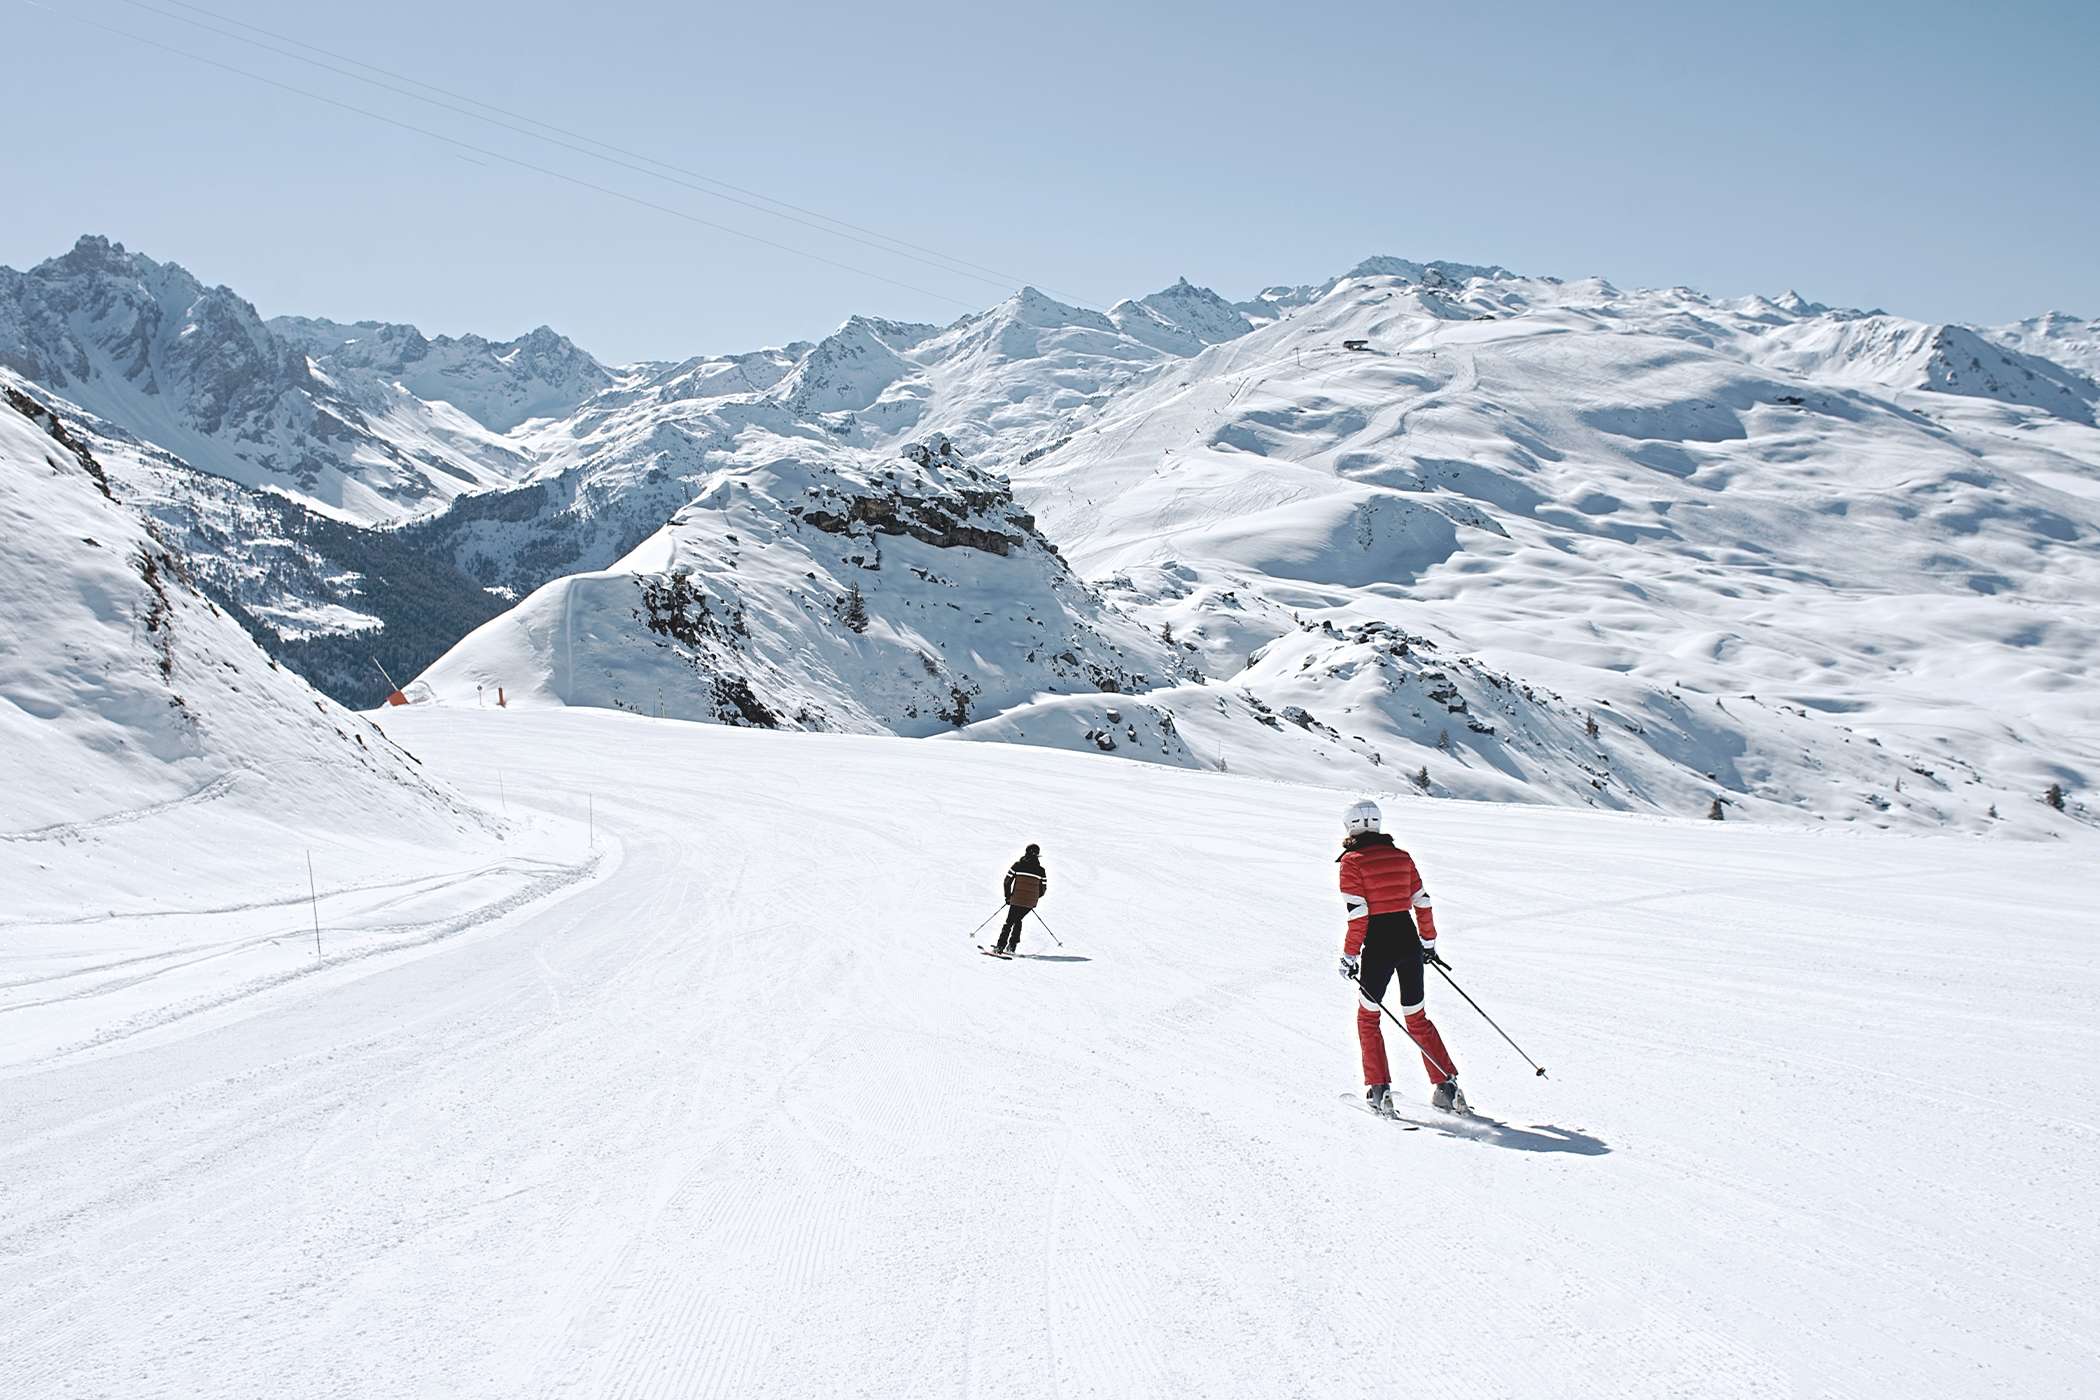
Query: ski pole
[1442, 1068]
[1047, 929]
[1541, 1069]
[972, 935]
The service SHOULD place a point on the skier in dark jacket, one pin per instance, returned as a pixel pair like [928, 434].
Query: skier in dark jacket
[1392, 935]
[1026, 883]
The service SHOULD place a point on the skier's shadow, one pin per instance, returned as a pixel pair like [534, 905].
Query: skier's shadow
[1539, 1137]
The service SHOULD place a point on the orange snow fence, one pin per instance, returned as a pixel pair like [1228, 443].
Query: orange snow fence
[501, 703]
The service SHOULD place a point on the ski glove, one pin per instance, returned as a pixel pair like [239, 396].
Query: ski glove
[1431, 957]
[1350, 964]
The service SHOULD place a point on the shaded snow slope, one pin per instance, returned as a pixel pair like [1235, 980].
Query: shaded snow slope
[811, 586]
[132, 709]
[747, 1115]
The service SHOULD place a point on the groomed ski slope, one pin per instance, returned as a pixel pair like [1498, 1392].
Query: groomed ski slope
[743, 1114]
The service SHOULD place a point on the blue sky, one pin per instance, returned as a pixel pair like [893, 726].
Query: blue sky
[1939, 160]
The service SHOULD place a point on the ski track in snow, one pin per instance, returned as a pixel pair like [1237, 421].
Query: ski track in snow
[61, 831]
[739, 1111]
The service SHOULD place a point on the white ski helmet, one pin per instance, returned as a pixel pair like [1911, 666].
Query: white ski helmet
[1361, 816]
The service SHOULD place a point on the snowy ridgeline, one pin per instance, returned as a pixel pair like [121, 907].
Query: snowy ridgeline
[1427, 527]
[153, 750]
[813, 587]
[1531, 542]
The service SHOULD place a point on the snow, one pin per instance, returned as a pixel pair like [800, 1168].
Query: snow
[165, 779]
[461, 1050]
[295, 406]
[1813, 563]
[1810, 564]
[740, 609]
[1824, 574]
[737, 1110]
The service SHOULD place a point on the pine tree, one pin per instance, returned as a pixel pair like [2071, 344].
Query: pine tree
[853, 610]
[1714, 813]
[1166, 633]
[1443, 740]
[1422, 778]
[2055, 796]
[1589, 725]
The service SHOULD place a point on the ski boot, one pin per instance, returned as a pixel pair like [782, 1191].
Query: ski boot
[1379, 1099]
[1448, 1097]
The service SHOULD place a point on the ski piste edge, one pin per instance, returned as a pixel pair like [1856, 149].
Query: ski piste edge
[1363, 1107]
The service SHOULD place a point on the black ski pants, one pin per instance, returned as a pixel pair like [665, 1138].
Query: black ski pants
[1391, 947]
[1010, 936]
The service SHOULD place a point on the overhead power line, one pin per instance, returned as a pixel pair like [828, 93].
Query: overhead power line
[569, 140]
[507, 159]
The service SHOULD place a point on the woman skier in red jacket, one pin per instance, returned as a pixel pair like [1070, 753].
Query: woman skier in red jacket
[1391, 930]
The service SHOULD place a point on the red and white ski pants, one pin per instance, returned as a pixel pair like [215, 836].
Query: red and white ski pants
[1390, 947]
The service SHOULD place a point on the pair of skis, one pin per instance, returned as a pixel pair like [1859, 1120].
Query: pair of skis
[1364, 1105]
[1407, 1125]
[1017, 953]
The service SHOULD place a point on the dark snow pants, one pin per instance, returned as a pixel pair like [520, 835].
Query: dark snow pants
[1010, 936]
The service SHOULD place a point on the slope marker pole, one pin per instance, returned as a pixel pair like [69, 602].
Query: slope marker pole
[314, 894]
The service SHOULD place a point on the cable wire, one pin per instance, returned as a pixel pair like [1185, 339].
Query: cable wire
[563, 137]
[549, 171]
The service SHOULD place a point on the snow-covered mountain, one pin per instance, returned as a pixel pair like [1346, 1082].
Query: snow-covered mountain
[499, 384]
[2070, 341]
[194, 370]
[1526, 508]
[1533, 540]
[1426, 524]
[812, 586]
[130, 702]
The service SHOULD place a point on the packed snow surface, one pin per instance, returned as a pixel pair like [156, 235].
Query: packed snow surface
[735, 1108]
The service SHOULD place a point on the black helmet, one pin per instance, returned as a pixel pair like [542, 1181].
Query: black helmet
[1033, 849]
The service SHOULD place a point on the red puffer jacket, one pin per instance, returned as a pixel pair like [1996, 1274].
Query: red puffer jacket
[1380, 878]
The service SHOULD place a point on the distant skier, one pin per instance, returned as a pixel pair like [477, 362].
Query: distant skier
[1391, 930]
[1026, 883]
